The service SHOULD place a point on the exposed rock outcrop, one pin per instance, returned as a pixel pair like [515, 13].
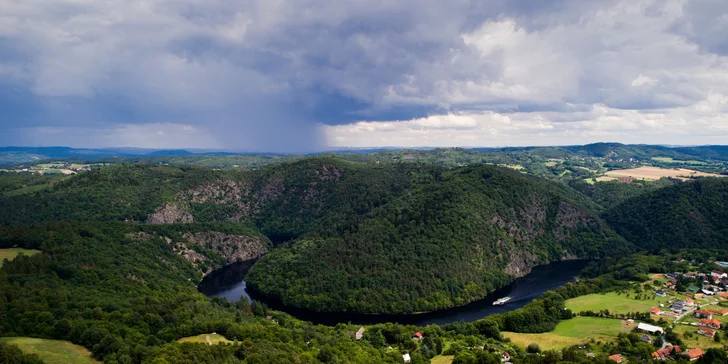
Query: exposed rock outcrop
[234, 248]
[170, 214]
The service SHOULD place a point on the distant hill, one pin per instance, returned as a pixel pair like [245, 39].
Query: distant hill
[683, 216]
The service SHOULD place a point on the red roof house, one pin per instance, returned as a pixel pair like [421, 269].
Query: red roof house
[666, 352]
[655, 311]
[714, 324]
[616, 357]
[694, 354]
[417, 335]
[706, 332]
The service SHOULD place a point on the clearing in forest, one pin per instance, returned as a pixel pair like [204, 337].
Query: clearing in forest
[210, 339]
[52, 351]
[11, 253]
[615, 302]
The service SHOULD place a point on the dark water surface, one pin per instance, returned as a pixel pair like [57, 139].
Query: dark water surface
[229, 282]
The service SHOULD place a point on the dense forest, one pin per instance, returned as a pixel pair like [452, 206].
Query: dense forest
[453, 237]
[366, 237]
[686, 215]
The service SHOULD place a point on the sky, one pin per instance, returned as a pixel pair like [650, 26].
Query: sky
[308, 75]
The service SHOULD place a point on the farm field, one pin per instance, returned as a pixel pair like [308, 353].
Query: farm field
[614, 302]
[654, 173]
[670, 160]
[573, 332]
[11, 253]
[210, 339]
[52, 351]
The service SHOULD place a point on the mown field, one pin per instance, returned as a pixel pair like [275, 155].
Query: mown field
[614, 302]
[442, 359]
[694, 340]
[653, 173]
[573, 332]
[11, 253]
[210, 339]
[52, 351]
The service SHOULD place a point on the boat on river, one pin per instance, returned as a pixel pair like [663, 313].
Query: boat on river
[502, 301]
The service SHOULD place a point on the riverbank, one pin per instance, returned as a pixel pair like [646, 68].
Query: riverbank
[522, 291]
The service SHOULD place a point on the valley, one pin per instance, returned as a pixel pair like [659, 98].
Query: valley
[116, 257]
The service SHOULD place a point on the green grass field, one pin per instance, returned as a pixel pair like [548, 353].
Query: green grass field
[695, 340]
[573, 332]
[614, 303]
[11, 253]
[442, 359]
[670, 160]
[52, 351]
[213, 339]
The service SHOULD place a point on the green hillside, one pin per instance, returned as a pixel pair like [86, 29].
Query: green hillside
[687, 215]
[452, 237]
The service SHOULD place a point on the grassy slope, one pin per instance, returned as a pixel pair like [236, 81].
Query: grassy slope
[572, 332]
[613, 302]
[203, 338]
[11, 253]
[52, 351]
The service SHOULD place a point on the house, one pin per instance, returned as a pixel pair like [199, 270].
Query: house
[506, 356]
[723, 294]
[406, 358]
[689, 302]
[590, 355]
[713, 324]
[417, 335]
[706, 332]
[708, 292]
[718, 274]
[719, 312]
[616, 357]
[704, 314]
[645, 339]
[655, 311]
[671, 275]
[359, 333]
[694, 354]
[693, 289]
[660, 293]
[666, 352]
[668, 285]
[649, 329]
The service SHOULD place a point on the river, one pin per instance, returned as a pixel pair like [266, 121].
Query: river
[229, 282]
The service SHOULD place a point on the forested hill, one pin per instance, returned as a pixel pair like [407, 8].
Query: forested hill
[686, 215]
[391, 237]
[452, 237]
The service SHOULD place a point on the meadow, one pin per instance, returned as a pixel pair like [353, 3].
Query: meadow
[52, 351]
[654, 173]
[614, 302]
[11, 253]
[573, 332]
[210, 339]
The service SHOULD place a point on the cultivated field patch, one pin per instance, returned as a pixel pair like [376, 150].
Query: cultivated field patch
[654, 173]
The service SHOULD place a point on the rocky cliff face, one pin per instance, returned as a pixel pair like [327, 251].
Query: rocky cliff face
[234, 248]
[170, 214]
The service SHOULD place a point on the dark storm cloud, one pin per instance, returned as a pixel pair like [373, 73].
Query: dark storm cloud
[265, 74]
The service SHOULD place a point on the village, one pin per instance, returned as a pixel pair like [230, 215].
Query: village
[694, 311]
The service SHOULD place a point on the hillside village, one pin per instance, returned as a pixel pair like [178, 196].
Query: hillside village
[695, 307]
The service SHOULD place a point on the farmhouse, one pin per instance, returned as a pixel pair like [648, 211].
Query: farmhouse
[417, 335]
[719, 312]
[704, 314]
[713, 324]
[689, 302]
[718, 274]
[649, 329]
[616, 357]
[666, 352]
[655, 311]
[694, 354]
[706, 332]
[660, 293]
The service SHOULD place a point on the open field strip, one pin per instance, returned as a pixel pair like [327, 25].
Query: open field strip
[573, 332]
[11, 253]
[210, 339]
[52, 351]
